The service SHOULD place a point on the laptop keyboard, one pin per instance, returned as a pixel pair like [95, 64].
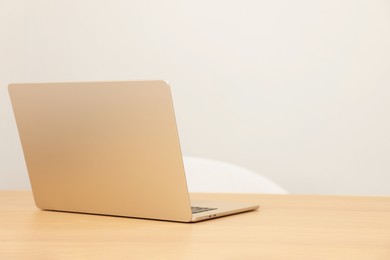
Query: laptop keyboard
[200, 209]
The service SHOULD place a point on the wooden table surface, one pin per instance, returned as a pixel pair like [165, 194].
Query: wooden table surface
[286, 227]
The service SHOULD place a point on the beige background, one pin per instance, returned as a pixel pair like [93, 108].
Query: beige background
[295, 90]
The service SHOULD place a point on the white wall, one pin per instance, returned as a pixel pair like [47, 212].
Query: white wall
[295, 90]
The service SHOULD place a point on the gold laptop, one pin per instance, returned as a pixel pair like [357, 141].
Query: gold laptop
[107, 148]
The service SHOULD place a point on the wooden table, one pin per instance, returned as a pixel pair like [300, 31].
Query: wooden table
[286, 227]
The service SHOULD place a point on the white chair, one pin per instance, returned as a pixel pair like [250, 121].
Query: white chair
[206, 175]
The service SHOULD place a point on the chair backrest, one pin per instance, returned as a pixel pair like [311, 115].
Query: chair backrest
[206, 175]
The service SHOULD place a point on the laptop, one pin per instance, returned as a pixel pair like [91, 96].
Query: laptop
[109, 148]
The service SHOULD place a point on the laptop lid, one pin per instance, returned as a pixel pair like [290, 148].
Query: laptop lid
[103, 147]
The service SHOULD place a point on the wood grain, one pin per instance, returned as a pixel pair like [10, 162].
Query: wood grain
[286, 227]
